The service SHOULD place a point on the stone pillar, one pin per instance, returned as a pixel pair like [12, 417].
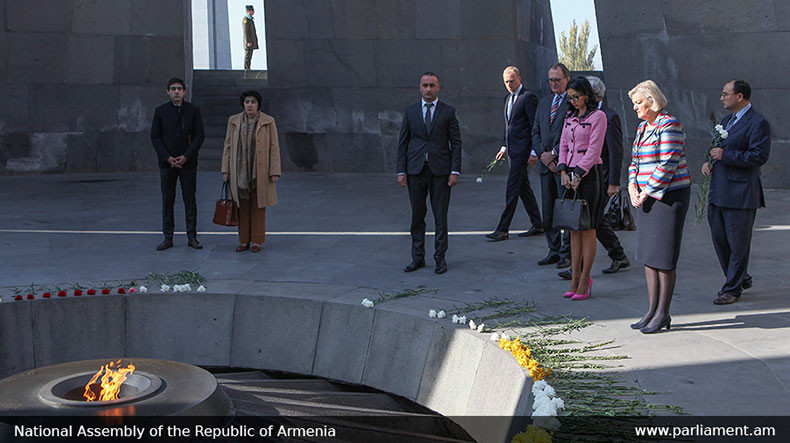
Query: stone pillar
[79, 80]
[341, 73]
[691, 49]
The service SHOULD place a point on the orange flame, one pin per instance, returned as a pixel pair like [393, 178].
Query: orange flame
[111, 381]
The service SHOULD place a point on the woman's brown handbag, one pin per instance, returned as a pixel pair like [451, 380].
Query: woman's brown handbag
[570, 214]
[226, 213]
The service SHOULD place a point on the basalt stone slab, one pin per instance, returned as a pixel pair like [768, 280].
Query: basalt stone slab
[353, 152]
[137, 105]
[428, 27]
[193, 328]
[355, 19]
[499, 372]
[89, 59]
[78, 329]
[115, 151]
[480, 21]
[287, 64]
[36, 58]
[167, 51]
[392, 72]
[450, 370]
[15, 110]
[476, 62]
[728, 16]
[397, 353]
[103, 17]
[46, 153]
[45, 16]
[76, 107]
[82, 151]
[396, 19]
[288, 19]
[343, 341]
[275, 333]
[16, 337]
[344, 63]
[3, 56]
[155, 17]
[626, 18]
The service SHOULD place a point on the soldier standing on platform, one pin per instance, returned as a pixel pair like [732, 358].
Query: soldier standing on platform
[250, 36]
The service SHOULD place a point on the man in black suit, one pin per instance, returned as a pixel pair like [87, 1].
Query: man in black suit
[429, 162]
[612, 156]
[735, 188]
[177, 133]
[545, 142]
[519, 114]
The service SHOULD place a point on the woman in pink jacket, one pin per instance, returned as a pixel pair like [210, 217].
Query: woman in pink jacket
[580, 156]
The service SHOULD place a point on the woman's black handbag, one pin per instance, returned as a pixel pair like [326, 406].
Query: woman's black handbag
[571, 214]
[619, 215]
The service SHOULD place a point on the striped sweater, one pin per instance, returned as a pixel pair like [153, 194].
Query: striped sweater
[658, 157]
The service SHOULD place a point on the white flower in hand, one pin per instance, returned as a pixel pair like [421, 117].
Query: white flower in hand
[479, 179]
[164, 288]
[718, 128]
[472, 325]
[143, 289]
[441, 314]
[481, 327]
[495, 336]
[724, 134]
[201, 288]
[432, 313]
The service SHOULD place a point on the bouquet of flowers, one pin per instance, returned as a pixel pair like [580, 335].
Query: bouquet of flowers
[719, 134]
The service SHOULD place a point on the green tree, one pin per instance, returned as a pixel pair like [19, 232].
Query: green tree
[573, 48]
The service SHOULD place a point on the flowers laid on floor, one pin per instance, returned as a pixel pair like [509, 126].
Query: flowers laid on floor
[523, 355]
[461, 320]
[719, 134]
[201, 288]
[62, 293]
[19, 297]
[105, 291]
[30, 296]
[77, 292]
[164, 288]
[91, 292]
[432, 313]
[143, 289]
[533, 434]
[45, 295]
[441, 314]
[121, 291]
[368, 303]
[546, 406]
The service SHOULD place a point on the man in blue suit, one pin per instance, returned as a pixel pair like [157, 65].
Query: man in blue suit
[735, 188]
[519, 114]
[429, 162]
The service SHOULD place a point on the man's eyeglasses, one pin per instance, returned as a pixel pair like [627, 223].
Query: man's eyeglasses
[555, 80]
[727, 94]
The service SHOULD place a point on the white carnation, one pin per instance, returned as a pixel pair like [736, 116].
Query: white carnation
[201, 288]
[441, 314]
[164, 288]
[472, 325]
[432, 313]
[479, 179]
[494, 336]
[143, 289]
[539, 385]
[481, 327]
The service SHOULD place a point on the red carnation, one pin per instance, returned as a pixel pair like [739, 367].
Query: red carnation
[19, 297]
[45, 295]
[62, 293]
[132, 290]
[30, 296]
[91, 292]
[78, 292]
[121, 291]
[105, 291]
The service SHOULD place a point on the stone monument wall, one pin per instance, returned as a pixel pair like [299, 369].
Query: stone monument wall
[79, 80]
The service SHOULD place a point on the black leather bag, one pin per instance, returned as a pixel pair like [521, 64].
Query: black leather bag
[619, 215]
[571, 214]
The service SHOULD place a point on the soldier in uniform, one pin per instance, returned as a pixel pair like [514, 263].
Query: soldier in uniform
[250, 36]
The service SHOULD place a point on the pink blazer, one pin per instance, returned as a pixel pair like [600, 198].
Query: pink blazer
[581, 142]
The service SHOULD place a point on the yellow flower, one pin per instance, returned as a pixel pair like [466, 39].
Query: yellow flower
[533, 434]
[523, 355]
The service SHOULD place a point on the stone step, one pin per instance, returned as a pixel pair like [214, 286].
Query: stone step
[290, 385]
[228, 73]
[222, 91]
[246, 376]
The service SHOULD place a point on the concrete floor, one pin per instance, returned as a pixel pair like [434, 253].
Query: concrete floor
[352, 229]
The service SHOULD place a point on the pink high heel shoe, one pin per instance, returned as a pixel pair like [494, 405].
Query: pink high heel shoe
[586, 295]
[569, 294]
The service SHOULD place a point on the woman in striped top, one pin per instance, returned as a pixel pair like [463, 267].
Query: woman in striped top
[659, 187]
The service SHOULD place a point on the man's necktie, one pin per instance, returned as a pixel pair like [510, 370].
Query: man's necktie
[554, 106]
[428, 107]
[730, 123]
[510, 103]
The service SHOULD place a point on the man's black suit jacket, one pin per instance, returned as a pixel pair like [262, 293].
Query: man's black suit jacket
[546, 135]
[518, 130]
[735, 182]
[176, 132]
[442, 141]
[612, 153]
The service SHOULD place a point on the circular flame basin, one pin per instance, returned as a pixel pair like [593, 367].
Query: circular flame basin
[156, 388]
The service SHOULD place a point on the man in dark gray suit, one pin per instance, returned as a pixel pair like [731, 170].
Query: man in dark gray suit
[429, 162]
[545, 142]
[519, 114]
[735, 188]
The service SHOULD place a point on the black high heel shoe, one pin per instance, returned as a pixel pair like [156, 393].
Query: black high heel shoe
[641, 323]
[667, 321]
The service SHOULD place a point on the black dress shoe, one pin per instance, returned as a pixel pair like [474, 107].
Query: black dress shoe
[531, 232]
[665, 323]
[194, 243]
[166, 244]
[414, 265]
[747, 283]
[617, 265]
[725, 299]
[441, 266]
[566, 274]
[564, 263]
[497, 236]
[549, 259]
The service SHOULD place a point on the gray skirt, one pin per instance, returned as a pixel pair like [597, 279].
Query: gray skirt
[659, 229]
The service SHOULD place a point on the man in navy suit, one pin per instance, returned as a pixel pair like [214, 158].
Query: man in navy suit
[519, 114]
[545, 142]
[429, 162]
[735, 188]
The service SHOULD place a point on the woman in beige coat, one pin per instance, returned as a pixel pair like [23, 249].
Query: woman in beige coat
[251, 167]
